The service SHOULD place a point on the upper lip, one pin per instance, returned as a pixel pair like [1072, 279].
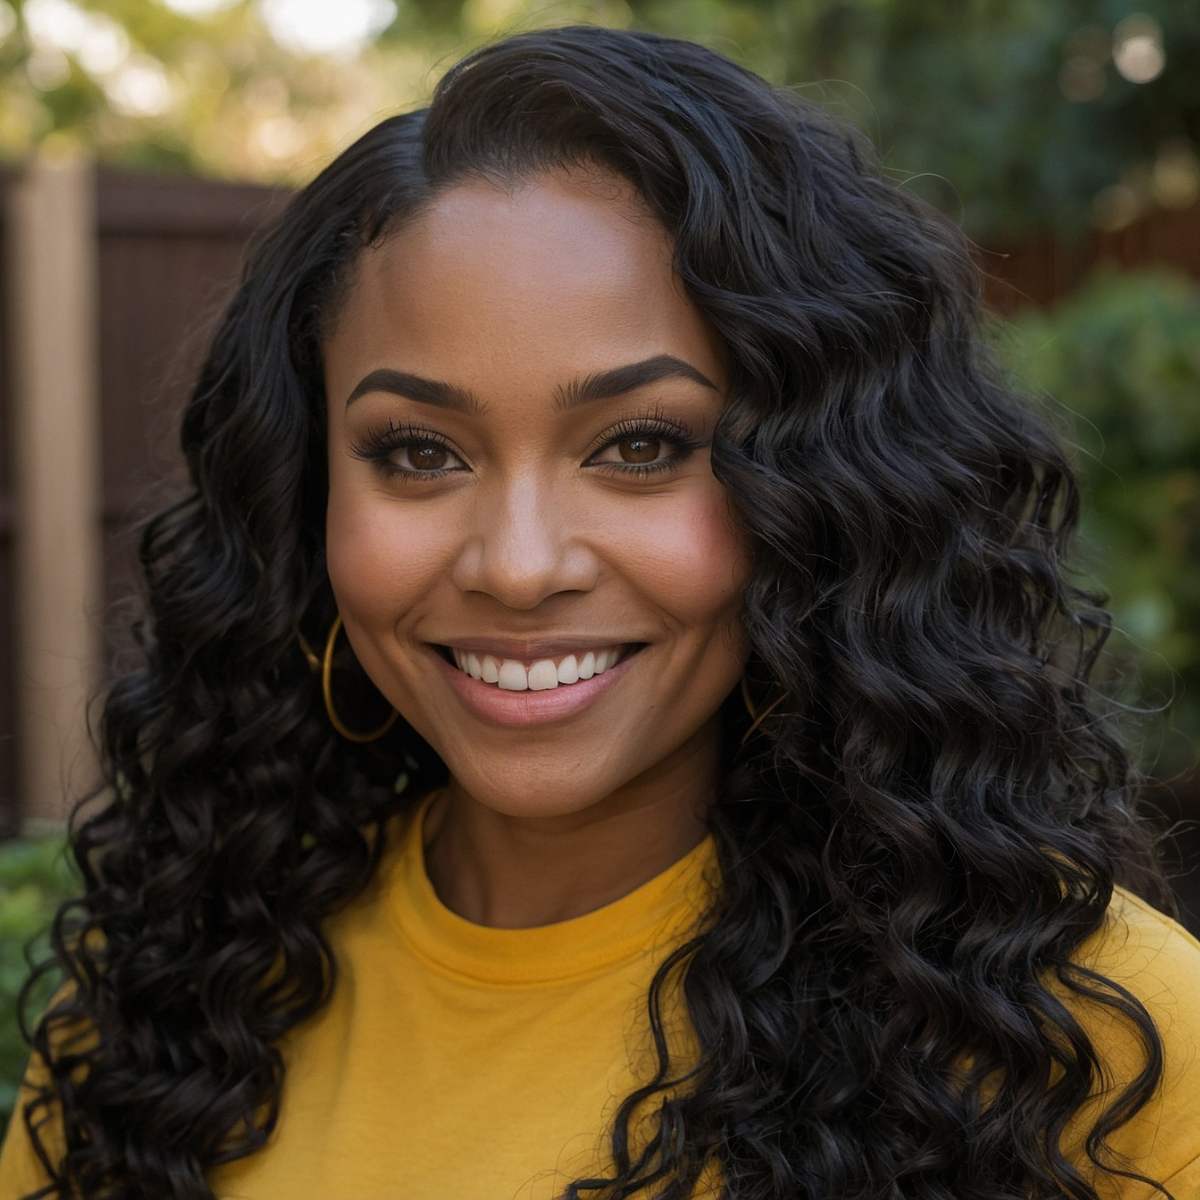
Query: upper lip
[531, 649]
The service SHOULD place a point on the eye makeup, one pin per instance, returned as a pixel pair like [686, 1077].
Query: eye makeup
[380, 443]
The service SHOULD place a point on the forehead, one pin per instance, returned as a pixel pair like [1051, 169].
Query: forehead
[565, 271]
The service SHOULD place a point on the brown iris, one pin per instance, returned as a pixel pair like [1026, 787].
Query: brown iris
[644, 442]
[419, 455]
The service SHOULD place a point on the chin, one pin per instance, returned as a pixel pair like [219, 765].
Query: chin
[528, 795]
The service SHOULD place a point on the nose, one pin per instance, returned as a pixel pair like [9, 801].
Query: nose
[524, 542]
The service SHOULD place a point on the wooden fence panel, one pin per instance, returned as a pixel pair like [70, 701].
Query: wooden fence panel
[1043, 270]
[8, 717]
[169, 254]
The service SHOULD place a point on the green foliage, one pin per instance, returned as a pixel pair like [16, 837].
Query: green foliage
[1013, 117]
[1118, 364]
[972, 102]
[35, 876]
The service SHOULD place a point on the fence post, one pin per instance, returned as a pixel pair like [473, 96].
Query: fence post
[56, 460]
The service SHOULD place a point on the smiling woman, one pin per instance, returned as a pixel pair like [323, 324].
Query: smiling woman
[537, 493]
[703, 799]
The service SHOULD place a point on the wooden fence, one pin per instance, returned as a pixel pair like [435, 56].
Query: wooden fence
[9, 813]
[112, 278]
[1042, 270]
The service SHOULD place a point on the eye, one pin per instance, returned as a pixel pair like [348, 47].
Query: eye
[427, 451]
[640, 444]
[425, 456]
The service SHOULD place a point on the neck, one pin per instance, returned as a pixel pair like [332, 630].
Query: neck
[514, 872]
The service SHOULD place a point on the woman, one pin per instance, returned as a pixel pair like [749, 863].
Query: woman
[605, 725]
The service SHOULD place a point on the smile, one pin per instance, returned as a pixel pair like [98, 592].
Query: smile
[542, 674]
[509, 692]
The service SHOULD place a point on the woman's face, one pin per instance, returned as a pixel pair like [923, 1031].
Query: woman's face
[508, 415]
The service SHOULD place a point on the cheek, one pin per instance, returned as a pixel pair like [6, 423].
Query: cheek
[378, 563]
[691, 557]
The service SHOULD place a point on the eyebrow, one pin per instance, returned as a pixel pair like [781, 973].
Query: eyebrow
[603, 385]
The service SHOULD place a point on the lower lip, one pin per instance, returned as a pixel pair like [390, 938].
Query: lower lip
[503, 707]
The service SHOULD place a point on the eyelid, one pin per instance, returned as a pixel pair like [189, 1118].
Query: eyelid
[655, 415]
[383, 440]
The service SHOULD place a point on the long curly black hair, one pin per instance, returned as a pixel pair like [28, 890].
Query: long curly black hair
[926, 825]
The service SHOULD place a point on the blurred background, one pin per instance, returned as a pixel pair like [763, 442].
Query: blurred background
[143, 141]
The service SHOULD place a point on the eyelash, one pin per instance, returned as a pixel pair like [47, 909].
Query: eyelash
[377, 445]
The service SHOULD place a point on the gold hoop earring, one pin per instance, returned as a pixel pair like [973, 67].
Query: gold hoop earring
[757, 718]
[326, 666]
[314, 663]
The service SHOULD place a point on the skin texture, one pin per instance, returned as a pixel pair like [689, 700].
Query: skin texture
[512, 293]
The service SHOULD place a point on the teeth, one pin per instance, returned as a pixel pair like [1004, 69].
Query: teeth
[541, 675]
[513, 677]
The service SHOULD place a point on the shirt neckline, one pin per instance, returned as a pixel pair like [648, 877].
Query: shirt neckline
[622, 929]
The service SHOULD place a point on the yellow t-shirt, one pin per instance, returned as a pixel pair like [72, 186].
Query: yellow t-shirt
[459, 1060]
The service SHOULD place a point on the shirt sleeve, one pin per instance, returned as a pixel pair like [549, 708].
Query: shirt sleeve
[1158, 960]
[21, 1171]
[1184, 1184]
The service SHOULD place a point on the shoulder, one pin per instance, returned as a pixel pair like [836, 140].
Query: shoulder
[21, 1167]
[1138, 944]
[1155, 958]
[1129, 911]
[1157, 962]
